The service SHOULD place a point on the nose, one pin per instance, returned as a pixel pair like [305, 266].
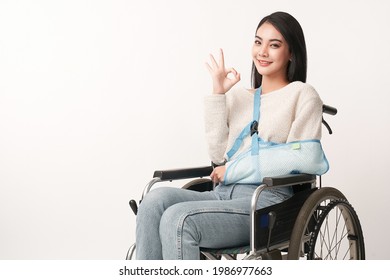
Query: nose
[263, 52]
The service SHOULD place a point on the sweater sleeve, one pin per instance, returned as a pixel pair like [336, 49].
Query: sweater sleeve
[216, 126]
[308, 117]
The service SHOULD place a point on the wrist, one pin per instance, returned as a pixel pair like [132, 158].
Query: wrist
[218, 91]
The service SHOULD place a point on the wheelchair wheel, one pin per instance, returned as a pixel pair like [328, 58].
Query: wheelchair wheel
[337, 234]
[306, 220]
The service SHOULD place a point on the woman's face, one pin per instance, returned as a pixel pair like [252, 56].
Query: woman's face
[270, 52]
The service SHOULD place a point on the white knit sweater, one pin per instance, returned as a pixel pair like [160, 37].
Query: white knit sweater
[291, 113]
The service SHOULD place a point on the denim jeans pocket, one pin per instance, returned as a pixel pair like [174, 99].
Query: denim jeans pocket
[224, 192]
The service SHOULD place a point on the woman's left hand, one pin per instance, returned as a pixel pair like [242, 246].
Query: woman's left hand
[218, 174]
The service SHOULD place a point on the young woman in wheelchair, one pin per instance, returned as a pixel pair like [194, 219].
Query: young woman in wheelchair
[173, 223]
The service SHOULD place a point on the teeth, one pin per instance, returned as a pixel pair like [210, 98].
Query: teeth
[264, 62]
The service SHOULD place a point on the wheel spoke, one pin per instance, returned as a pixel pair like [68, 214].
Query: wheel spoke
[331, 225]
[335, 235]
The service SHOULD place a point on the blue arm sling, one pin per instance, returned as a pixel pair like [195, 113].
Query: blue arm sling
[267, 159]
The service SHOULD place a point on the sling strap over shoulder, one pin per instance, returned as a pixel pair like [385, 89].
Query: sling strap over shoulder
[251, 129]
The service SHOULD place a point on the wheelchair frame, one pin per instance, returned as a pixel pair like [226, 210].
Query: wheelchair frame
[305, 226]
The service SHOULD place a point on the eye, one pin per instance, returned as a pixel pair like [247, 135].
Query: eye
[275, 46]
[257, 42]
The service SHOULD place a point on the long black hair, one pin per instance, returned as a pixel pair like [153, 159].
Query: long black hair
[292, 32]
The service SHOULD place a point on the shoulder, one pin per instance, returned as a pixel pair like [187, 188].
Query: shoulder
[301, 87]
[239, 95]
[239, 91]
[304, 92]
[304, 88]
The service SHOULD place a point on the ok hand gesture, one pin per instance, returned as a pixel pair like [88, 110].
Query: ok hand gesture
[221, 82]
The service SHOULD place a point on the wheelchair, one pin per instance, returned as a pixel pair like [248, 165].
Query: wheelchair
[316, 223]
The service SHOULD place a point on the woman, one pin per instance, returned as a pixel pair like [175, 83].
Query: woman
[174, 223]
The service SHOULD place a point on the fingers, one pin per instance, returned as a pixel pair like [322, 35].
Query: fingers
[221, 59]
[218, 174]
[214, 65]
[220, 64]
[214, 176]
[213, 61]
[220, 67]
[236, 75]
[209, 68]
[221, 82]
[215, 179]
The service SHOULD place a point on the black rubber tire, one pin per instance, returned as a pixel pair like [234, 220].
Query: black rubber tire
[338, 234]
[309, 214]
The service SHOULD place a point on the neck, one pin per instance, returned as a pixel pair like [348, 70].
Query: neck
[269, 84]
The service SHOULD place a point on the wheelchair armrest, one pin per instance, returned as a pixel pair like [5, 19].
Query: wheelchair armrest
[289, 180]
[185, 173]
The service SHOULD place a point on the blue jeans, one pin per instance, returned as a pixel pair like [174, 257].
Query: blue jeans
[174, 223]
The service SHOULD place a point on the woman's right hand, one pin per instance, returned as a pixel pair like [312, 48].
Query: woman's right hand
[222, 82]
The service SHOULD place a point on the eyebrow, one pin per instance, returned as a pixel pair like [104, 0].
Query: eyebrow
[272, 40]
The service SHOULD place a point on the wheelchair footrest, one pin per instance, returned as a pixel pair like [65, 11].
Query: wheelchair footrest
[272, 255]
[229, 251]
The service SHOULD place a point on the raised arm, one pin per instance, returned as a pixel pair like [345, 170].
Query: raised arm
[216, 114]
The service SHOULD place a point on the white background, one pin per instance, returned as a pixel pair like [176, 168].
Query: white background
[96, 95]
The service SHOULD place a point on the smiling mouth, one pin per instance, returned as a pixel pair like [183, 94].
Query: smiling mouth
[264, 62]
